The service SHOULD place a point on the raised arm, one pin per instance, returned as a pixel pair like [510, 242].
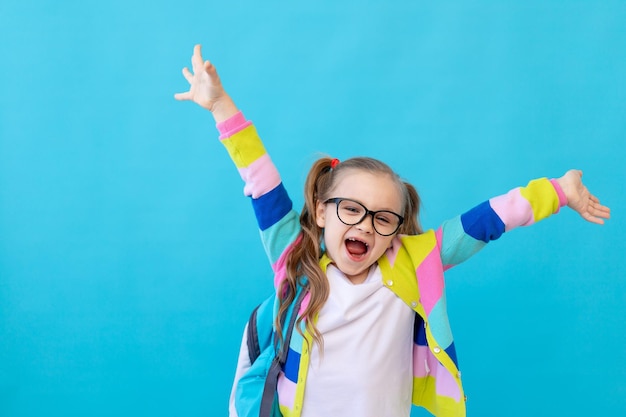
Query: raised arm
[275, 216]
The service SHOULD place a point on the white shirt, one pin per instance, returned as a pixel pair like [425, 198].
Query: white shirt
[366, 367]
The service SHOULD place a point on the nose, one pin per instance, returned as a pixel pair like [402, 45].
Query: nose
[366, 224]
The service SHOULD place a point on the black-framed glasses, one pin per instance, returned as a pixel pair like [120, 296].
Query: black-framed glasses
[351, 212]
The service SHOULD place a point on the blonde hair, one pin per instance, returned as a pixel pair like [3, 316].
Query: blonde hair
[303, 260]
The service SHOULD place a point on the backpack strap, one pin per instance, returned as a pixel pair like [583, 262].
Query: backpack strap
[269, 391]
[254, 350]
[260, 327]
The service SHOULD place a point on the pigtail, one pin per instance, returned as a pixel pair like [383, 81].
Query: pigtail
[411, 225]
[303, 260]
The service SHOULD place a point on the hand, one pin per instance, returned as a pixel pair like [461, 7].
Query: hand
[581, 200]
[205, 88]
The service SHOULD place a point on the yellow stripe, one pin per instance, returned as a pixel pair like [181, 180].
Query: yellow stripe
[437, 405]
[244, 147]
[542, 197]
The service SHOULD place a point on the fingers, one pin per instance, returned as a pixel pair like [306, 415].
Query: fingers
[196, 58]
[602, 211]
[199, 65]
[592, 219]
[595, 212]
[210, 69]
[183, 96]
[188, 75]
[598, 208]
[202, 77]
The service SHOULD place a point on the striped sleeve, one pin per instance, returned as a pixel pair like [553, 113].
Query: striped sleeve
[272, 206]
[464, 235]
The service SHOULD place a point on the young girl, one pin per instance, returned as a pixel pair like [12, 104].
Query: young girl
[373, 334]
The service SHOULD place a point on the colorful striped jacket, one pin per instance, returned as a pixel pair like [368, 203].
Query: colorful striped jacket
[413, 268]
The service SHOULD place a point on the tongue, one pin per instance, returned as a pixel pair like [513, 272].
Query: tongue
[356, 247]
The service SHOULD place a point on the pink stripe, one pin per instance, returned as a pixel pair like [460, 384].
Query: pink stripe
[513, 209]
[280, 274]
[280, 266]
[421, 357]
[286, 391]
[392, 252]
[430, 280]
[305, 303]
[260, 177]
[426, 364]
[232, 125]
[446, 384]
[559, 192]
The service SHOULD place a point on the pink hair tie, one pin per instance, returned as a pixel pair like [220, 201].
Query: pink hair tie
[333, 163]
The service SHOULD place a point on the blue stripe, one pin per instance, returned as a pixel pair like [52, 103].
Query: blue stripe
[419, 332]
[291, 365]
[451, 351]
[271, 207]
[482, 223]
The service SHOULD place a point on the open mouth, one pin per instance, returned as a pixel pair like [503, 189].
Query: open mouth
[356, 248]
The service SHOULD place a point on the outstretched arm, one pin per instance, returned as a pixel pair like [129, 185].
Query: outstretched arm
[273, 208]
[205, 88]
[466, 234]
[581, 200]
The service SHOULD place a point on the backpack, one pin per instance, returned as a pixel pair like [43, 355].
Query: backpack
[255, 391]
[259, 329]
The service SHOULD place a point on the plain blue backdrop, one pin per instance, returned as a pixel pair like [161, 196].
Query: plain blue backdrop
[129, 259]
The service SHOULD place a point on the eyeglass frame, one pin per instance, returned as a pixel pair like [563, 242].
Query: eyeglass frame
[337, 200]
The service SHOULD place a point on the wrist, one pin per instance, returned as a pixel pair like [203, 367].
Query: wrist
[223, 108]
[557, 183]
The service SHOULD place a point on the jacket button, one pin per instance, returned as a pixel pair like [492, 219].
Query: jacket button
[437, 349]
[390, 283]
[413, 304]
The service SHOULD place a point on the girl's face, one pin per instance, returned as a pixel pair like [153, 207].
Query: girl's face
[354, 249]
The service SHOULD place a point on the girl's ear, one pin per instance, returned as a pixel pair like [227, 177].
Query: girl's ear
[320, 214]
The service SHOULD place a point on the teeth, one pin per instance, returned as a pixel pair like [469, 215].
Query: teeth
[356, 240]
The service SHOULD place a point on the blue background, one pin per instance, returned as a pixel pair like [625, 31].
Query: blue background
[129, 260]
